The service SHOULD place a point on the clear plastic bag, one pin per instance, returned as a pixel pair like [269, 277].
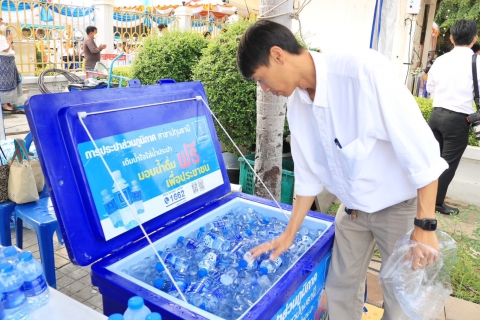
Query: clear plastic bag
[422, 293]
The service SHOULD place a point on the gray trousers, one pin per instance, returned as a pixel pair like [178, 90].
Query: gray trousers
[352, 250]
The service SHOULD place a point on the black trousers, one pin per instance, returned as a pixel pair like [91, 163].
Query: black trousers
[450, 128]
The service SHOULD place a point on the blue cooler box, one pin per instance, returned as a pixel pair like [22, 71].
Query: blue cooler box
[163, 137]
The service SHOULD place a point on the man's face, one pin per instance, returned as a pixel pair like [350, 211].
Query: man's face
[274, 79]
[92, 34]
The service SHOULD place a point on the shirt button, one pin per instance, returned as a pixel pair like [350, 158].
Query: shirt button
[342, 193]
[320, 117]
[326, 144]
[333, 169]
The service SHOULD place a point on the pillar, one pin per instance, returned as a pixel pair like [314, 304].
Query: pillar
[104, 23]
[184, 15]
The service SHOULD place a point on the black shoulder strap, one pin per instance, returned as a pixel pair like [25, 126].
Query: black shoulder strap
[475, 81]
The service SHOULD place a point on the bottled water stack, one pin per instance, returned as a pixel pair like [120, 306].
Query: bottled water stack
[34, 283]
[213, 267]
[14, 300]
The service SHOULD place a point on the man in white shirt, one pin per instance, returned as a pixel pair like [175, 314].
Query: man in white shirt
[451, 79]
[357, 131]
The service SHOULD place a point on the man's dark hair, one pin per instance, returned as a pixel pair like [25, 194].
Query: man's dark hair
[476, 47]
[254, 48]
[162, 26]
[90, 29]
[206, 34]
[463, 32]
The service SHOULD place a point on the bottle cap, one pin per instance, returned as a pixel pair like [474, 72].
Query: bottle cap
[251, 222]
[202, 272]
[135, 303]
[116, 316]
[202, 229]
[243, 263]
[104, 193]
[159, 267]
[160, 252]
[180, 239]
[10, 251]
[266, 220]
[6, 267]
[159, 283]
[263, 270]
[249, 231]
[225, 231]
[25, 256]
[154, 316]
[203, 307]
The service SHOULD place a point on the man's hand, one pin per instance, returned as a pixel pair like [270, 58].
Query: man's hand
[426, 253]
[10, 38]
[102, 46]
[278, 245]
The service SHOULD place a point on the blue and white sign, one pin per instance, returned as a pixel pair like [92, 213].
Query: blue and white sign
[156, 169]
[310, 300]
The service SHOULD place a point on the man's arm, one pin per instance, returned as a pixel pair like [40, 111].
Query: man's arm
[431, 80]
[283, 242]
[425, 210]
[9, 40]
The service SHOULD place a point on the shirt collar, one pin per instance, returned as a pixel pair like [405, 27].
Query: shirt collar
[321, 79]
[463, 50]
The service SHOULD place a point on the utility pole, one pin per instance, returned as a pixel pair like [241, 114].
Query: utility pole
[271, 112]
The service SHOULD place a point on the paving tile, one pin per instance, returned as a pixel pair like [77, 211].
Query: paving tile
[64, 281]
[89, 305]
[86, 280]
[78, 274]
[75, 286]
[76, 297]
[87, 268]
[62, 252]
[96, 300]
[99, 310]
[60, 261]
[66, 292]
[68, 269]
[36, 255]
[86, 293]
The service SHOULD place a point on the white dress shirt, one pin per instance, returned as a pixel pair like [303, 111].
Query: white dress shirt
[4, 45]
[387, 149]
[451, 79]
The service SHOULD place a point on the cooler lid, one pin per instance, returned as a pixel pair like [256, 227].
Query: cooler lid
[160, 138]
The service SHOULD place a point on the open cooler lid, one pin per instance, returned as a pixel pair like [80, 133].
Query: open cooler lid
[161, 136]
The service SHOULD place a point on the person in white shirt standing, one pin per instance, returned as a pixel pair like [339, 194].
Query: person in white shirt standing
[357, 131]
[451, 80]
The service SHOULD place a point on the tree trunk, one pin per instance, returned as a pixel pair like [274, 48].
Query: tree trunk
[271, 118]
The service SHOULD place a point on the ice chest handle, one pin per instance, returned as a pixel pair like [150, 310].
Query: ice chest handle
[166, 81]
[309, 267]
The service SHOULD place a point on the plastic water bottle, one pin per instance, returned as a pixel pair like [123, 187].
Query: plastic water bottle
[268, 266]
[34, 283]
[189, 244]
[2, 308]
[112, 209]
[116, 316]
[163, 285]
[128, 220]
[136, 309]
[208, 262]
[154, 316]
[10, 254]
[15, 302]
[137, 197]
[177, 261]
[214, 241]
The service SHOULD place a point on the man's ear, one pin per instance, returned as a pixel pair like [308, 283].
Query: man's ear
[451, 40]
[277, 55]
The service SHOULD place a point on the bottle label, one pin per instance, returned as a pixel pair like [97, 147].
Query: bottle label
[220, 224]
[182, 285]
[35, 287]
[121, 201]
[111, 206]
[196, 287]
[237, 247]
[14, 299]
[219, 294]
[211, 256]
[238, 237]
[209, 239]
[192, 244]
[278, 262]
[136, 195]
[170, 259]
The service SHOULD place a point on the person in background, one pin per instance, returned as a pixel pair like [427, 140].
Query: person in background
[357, 131]
[119, 48]
[10, 86]
[450, 79]
[90, 49]
[163, 28]
[476, 48]
[207, 35]
[233, 18]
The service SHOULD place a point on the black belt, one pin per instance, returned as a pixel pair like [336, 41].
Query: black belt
[350, 211]
[450, 111]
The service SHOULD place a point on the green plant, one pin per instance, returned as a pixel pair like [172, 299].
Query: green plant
[231, 97]
[465, 273]
[171, 56]
[426, 107]
[332, 210]
[123, 71]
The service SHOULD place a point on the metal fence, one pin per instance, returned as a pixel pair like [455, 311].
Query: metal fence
[50, 35]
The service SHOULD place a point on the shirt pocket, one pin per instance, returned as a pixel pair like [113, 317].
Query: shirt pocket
[354, 156]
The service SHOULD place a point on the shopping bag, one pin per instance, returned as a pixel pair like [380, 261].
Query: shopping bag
[4, 173]
[36, 168]
[22, 187]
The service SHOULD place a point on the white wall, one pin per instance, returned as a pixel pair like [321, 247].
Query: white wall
[331, 25]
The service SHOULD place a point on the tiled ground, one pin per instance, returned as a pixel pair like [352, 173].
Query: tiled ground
[72, 280]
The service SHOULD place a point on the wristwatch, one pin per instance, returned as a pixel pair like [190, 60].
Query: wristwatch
[426, 224]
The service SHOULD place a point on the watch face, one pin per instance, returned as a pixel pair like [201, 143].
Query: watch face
[430, 224]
